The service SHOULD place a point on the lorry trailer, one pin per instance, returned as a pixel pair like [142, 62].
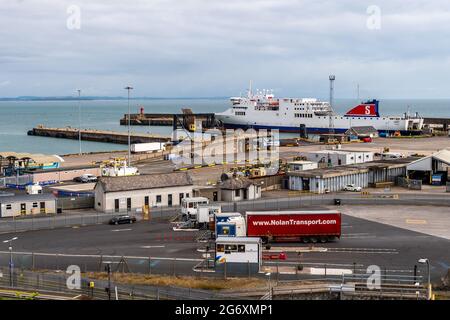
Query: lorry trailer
[300, 225]
[148, 147]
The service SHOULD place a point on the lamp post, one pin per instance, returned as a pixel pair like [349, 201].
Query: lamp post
[108, 270]
[129, 124]
[11, 262]
[427, 262]
[79, 119]
[270, 286]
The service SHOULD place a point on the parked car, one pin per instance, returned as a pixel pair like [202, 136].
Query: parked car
[123, 219]
[367, 139]
[352, 187]
[85, 178]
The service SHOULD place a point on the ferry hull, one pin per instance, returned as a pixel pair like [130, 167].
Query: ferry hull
[310, 130]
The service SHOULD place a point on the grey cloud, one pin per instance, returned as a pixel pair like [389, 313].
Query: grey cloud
[210, 47]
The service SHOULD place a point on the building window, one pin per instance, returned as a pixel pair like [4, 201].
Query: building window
[237, 193]
[158, 199]
[241, 248]
[8, 207]
[35, 205]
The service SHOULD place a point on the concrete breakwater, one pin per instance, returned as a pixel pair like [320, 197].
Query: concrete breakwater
[96, 135]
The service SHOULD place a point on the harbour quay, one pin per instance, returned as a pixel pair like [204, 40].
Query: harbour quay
[96, 135]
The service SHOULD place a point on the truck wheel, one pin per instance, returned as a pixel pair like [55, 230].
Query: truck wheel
[305, 240]
[323, 239]
[264, 240]
[314, 240]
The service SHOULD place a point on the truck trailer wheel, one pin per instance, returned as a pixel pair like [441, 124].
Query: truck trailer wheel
[305, 240]
[313, 239]
[323, 239]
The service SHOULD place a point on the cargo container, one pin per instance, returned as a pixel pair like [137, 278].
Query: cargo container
[228, 224]
[148, 147]
[306, 226]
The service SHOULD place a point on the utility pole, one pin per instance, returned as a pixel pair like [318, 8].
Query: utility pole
[79, 119]
[331, 122]
[129, 126]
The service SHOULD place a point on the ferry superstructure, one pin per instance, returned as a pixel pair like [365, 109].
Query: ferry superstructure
[263, 111]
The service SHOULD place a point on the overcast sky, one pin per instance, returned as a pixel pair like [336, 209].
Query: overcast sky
[181, 48]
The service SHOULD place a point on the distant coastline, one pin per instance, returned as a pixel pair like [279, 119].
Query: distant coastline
[93, 98]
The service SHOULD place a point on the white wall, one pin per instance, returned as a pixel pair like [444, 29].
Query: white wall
[106, 201]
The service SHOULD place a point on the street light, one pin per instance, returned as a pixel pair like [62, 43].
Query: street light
[79, 118]
[11, 262]
[427, 262]
[129, 124]
[270, 286]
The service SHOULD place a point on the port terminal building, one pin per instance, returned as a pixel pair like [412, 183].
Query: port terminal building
[333, 179]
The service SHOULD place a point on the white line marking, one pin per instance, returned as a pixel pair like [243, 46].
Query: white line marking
[120, 230]
[150, 247]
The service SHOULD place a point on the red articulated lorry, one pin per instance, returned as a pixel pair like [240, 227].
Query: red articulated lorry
[301, 225]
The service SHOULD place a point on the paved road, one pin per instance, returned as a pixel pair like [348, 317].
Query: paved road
[363, 242]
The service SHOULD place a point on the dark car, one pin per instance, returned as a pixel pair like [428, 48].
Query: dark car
[122, 220]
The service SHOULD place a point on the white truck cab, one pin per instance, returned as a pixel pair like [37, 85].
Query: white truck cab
[189, 206]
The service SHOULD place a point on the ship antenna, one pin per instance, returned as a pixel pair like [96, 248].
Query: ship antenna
[250, 89]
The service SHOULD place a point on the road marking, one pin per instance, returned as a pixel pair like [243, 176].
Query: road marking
[416, 221]
[120, 230]
[150, 247]
[313, 249]
[357, 235]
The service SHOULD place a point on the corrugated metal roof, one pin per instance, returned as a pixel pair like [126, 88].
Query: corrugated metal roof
[353, 168]
[442, 155]
[148, 181]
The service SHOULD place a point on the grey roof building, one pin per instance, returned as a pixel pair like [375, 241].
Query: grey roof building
[240, 188]
[131, 193]
[148, 181]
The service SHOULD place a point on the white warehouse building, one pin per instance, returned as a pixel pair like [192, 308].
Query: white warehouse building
[129, 193]
[361, 175]
[333, 158]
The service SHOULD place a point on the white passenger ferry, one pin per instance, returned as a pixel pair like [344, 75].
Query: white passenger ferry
[263, 111]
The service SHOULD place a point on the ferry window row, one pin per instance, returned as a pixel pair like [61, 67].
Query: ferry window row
[237, 113]
[302, 115]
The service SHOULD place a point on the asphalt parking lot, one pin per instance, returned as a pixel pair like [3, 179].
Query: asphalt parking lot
[363, 243]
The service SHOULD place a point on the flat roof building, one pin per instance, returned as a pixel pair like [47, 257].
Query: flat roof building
[21, 205]
[336, 178]
[332, 158]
